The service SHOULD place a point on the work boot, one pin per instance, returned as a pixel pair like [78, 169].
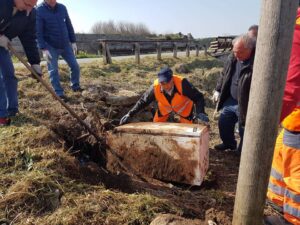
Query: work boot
[223, 147]
[79, 89]
[64, 98]
[4, 122]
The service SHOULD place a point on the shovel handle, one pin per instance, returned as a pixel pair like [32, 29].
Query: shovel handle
[100, 140]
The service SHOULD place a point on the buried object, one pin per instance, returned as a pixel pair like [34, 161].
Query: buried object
[166, 151]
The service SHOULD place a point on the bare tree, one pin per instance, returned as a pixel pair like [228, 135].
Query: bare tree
[125, 28]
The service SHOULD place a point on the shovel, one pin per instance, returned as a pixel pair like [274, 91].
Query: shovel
[71, 111]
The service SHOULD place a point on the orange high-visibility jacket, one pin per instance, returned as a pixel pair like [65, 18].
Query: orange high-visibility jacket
[284, 183]
[180, 104]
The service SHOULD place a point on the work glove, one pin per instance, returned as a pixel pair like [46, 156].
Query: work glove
[47, 56]
[201, 118]
[4, 41]
[74, 47]
[125, 119]
[37, 68]
[216, 96]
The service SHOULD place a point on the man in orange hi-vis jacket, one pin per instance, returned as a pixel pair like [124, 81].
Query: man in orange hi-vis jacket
[174, 95]
[284, 185]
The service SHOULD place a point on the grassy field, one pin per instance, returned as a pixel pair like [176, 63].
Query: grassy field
[49, 174]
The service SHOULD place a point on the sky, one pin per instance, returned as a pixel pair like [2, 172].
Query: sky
[201, 18]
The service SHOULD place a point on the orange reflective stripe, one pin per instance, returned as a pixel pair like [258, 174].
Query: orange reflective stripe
[180, 104]
[177, 108]
[291, 139]
[291, 210]
[166, 108]
[276, 189]
[276, 174]
[291, 219]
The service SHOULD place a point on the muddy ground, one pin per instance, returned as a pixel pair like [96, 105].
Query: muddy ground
[52, 172]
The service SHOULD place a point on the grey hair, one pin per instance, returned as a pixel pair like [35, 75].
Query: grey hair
[253, 27]
[249, 42]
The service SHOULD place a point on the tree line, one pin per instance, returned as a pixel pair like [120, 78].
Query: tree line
[125, 28]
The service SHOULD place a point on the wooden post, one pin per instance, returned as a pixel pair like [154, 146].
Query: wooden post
[174, 50]
[268, 81]
[187, 50]
[158, 50]
[103, 44]
[108, 55]
[137, 53]
[197, 50]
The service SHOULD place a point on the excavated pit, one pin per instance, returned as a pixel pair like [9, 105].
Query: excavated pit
[93, 168]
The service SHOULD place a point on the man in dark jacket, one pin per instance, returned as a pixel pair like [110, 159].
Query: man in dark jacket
[173, 94]
[56, 37]
[232, 91]
[17, 19]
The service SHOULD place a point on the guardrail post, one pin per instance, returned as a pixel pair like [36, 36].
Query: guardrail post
[197, 50]
[205, 50]
[187, 50]
[174, 50]
[137, 53]
[106, 53]
[158, 45]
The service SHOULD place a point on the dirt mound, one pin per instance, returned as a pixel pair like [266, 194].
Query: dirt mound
[50, 172]
[218, 217]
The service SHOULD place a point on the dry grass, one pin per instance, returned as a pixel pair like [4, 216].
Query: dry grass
[41, 182]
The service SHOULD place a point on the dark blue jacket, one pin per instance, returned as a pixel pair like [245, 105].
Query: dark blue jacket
[54, 26]
[21, 26]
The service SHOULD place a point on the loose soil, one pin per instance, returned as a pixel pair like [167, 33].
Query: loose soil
[53, 172]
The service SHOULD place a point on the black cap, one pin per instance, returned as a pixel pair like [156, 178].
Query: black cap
[165, 75]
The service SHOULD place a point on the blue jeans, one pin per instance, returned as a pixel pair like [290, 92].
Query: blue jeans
[68, 55]
[228, 118]
[8, 86]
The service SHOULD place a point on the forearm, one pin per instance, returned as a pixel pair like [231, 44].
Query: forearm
[143, 102]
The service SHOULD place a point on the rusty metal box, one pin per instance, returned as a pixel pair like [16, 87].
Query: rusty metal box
[165, 151]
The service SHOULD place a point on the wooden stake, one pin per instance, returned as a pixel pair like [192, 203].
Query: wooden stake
[137, 53]
[268, 81]
[158, 51]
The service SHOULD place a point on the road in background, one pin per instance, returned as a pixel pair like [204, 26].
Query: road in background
[91, 60]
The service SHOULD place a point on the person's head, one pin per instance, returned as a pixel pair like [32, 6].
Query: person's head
[243, 47]
[51, 3]
[165, 76]
[25, 5]
[253, 31]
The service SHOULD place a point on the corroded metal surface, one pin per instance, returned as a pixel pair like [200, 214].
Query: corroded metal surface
[166, 151]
